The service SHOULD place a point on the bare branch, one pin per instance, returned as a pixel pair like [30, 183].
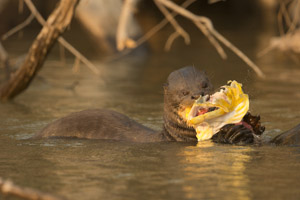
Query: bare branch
[21, 6]
[174, 23]
[150, 33]
[288, 40]
[265, 51]
[4, 60]
[76, 66]
[161, 24]
[3, 53]
[238, 53]
[77, 54]
[35, 12]
[18, 27]
[279, 20]
[207, 24]
[56, 24]
[61, 40]
[296, 17]
[62, 54]
[212, 40]
[9, 188]
[122, 37]
[170, 40]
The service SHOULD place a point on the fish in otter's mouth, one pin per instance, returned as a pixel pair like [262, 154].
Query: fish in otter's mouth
[210, 113]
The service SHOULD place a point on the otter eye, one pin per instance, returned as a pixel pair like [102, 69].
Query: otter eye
[204, 84]
[185, 92]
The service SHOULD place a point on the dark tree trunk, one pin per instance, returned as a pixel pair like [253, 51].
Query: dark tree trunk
[56, 24]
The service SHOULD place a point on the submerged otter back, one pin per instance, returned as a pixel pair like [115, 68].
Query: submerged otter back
[290, 137]
[98, 124]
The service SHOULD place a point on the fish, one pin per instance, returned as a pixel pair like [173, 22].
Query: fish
[210, 113]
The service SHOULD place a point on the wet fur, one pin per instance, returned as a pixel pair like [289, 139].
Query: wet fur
[182, 88]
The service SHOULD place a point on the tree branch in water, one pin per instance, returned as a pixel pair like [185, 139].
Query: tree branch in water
[56, 24]
[61, 40]
[9, 188]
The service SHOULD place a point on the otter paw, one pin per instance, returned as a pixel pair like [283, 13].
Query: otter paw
[234, 134]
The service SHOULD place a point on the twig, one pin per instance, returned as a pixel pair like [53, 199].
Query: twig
[18, 27]
[161, 24]
[9, 188]
[77, 54]
[279, 20]
[266, 50]
[212, 40]
[174, 23]
[122, 38]
[3, 53]
[76, 66]
[150, 33]
[62, 54]
[206, 23]
[56, 24]
[238, 53]
[170, 40]
[296, 17]
[203, 28]
[61, 40]
[286, 40]
[4, 59]
[21, 6]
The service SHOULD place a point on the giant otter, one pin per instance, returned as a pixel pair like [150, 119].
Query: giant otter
[183, 87]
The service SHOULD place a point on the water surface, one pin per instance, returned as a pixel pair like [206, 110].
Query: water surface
[87, 169]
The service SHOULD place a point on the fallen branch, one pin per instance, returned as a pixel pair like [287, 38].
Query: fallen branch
[56, 24]
[9, 188]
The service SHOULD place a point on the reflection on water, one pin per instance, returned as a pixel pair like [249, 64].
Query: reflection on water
[219, 169]
[84, 169]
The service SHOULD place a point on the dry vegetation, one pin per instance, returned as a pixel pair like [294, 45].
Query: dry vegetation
[288, 24]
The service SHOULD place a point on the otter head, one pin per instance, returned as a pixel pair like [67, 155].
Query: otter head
[183, 87]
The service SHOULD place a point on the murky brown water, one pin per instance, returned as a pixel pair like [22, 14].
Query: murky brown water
[87, 169]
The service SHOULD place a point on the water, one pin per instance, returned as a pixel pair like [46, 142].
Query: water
[87, 169]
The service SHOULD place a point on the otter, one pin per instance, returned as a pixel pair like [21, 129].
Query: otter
[182, 88]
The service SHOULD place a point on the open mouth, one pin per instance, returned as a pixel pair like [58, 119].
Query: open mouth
[210, 113]
[209, 107]
[202, 111]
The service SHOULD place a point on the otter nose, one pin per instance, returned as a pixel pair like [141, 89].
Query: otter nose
[196, 96]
